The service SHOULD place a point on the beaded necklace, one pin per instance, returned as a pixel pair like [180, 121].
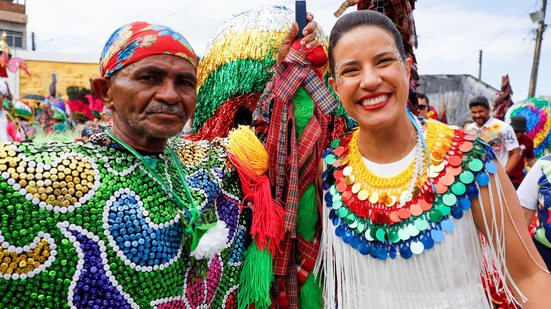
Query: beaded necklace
[383, 190]
[442, 191]
[147, 163]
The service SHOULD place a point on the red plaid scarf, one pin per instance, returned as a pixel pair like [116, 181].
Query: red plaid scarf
[287, 156]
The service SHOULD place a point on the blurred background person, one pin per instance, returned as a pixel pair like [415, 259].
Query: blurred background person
[499, 134]
[526, 146]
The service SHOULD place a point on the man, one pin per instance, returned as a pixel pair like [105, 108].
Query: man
[495, 132]
[423, 105]
[111, 222]
[526, 144]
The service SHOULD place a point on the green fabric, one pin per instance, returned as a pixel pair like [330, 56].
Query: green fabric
[308, 215]
[310, 294]
[256, 279]
[304, 110]
[243, 76]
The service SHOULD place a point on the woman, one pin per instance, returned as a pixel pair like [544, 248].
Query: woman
[404, 200]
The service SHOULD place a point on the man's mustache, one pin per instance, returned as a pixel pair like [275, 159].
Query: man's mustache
[160, 108]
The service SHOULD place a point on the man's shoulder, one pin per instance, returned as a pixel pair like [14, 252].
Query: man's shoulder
[199, 150]
[499, 124]
[471, 126]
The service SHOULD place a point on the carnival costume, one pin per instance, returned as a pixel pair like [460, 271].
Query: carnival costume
[90, 226]
[408, 240]
[96, 224]
[238, 75]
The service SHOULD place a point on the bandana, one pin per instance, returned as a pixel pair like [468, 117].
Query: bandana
[138, 40]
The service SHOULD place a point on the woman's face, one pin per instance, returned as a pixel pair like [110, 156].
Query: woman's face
[371, 78]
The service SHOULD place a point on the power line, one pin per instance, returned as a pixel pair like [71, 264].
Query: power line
[495, 38]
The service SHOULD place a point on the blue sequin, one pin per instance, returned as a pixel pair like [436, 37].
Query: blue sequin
[405, 252]
[464, 203]
[428, 242]
[447, 225]
[437, 235]
[339, 231]
[482, 179]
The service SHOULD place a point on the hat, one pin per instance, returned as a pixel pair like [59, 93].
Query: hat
[138, 40]
[519, 123]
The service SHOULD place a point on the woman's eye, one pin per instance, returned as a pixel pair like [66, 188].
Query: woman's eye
[386, 60]
[348, 71]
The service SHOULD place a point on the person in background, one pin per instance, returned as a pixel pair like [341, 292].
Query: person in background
[423, 105]
[466, 124]
[8, 130]
[526, 146]
[497, 133]
[534, 194]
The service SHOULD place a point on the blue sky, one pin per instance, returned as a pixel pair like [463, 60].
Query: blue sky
[451, 32]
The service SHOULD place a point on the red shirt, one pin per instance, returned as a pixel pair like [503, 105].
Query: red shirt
[526, 152]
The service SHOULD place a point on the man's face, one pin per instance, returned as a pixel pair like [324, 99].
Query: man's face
[480, 114]
[153, 97]
[423, 107]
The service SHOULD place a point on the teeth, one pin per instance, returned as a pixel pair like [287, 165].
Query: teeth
[374, 101]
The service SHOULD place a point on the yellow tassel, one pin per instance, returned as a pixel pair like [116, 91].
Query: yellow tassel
[248, 149]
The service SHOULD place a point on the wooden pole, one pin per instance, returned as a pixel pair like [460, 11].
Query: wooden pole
[537, 51]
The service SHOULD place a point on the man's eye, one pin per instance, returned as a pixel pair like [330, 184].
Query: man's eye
[149, 78]
[186, 83]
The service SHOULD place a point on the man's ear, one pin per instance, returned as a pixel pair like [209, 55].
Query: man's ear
[101, 88]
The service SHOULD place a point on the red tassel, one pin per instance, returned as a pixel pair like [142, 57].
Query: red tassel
[268, 214]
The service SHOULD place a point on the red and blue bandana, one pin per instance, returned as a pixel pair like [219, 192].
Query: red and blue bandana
[138, 40]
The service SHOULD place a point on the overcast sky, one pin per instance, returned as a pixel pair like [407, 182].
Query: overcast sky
[451, 32]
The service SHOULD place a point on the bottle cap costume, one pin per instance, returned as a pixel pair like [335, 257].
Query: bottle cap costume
[94, 225]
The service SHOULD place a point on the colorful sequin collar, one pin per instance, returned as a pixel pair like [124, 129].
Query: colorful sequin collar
[371, 219]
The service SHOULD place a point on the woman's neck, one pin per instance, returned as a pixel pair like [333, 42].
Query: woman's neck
[389, 143]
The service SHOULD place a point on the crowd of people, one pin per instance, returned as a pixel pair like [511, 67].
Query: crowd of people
[135, 216]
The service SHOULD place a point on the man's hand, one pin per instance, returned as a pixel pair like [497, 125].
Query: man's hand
[309, 40]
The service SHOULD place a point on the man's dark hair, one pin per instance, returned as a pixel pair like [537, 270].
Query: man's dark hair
[356, 19]
[421, 95]
[480, 101]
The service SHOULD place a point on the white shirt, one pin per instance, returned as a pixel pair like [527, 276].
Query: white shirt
[528, 189]
[499, 134]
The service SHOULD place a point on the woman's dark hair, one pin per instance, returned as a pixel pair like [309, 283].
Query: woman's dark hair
[356, 19]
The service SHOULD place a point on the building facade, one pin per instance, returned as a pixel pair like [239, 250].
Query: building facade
[13, 21]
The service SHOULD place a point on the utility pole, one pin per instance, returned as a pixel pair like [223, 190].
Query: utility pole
[537, 51]
[480, 64]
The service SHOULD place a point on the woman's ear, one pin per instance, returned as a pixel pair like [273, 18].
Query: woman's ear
[408, 62]
[333, 84]
[101, 88]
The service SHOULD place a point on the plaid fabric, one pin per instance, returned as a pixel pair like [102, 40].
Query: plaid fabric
[308, 255]
[287, 156]
[345, 5]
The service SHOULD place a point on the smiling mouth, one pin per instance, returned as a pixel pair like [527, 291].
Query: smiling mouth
[375, 102]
